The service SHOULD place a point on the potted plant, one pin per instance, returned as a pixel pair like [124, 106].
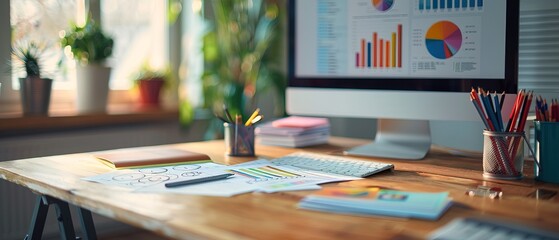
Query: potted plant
[241, 57]
[150, 82]
[34, 90]
[90, 47]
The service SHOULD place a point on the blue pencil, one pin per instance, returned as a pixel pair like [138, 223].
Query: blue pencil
[480, 112]
[498, 112]
[490, 111]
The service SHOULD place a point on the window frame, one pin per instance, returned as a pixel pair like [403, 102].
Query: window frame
[63, 99]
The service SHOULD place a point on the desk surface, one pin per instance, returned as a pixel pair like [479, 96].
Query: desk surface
[275, 216]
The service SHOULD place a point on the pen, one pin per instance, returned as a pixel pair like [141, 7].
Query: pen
[221, 118]
[227, 114]
[198, 180]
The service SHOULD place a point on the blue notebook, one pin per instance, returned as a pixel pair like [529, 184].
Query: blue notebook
[375, 201]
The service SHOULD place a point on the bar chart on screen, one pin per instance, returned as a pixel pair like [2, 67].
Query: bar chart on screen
[448, 6]
[377, 38]
[380, 52]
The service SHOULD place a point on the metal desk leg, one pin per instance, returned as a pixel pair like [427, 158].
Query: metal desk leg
[86, 222]
[38, 220]
[63, 217]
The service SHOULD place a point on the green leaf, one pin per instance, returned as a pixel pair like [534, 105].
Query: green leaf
[186, 113]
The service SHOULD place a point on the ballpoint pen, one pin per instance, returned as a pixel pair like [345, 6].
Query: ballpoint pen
[198, 180]
[227, 114]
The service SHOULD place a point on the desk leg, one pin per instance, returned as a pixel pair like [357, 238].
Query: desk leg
[86, 222]
[63, 217]
[38, 220]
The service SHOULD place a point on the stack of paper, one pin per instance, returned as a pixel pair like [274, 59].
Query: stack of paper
[294, 131]
[375, 201]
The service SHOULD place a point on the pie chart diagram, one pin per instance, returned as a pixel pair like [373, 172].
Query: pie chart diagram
[443, 39]
[382, 5]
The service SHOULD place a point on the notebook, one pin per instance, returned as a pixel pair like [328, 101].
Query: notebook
[148, 156]
[300, 122]
[375, 201]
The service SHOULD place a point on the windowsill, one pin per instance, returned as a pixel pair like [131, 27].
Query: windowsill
[65, 119]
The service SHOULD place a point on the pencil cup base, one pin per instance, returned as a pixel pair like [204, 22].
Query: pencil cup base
[503, 155]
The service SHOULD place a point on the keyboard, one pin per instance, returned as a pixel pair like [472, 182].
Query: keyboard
[476, 228]
[332, 164]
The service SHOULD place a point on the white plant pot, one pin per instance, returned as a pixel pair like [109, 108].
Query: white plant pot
[93, 88]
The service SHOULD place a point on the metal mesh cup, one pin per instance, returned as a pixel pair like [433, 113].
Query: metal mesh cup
[503, 155]
[239, 139]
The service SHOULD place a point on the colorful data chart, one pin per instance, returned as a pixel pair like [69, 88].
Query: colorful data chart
[265, 173]
[377, 52]
[382, 5]
[443, 39]
[456, 5]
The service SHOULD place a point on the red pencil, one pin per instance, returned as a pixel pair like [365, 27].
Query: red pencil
[526, 109]
[516, 110]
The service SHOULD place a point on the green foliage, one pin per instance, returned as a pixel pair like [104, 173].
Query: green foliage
[186, 112]
[239, 63]
[174, 8]
[147, 72]
[88, 43]
[28, 56]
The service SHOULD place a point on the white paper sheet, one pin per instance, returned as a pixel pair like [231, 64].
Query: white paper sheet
[142, 177]
[259, 175]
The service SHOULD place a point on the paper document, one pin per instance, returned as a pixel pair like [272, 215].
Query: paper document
[142, 177]
[260, 175]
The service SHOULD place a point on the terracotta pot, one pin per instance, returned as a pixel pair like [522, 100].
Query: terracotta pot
[150, 90]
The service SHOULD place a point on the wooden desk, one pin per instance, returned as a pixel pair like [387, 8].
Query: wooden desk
[275, 216]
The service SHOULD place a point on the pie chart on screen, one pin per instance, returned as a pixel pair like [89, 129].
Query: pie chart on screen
[443, 39]
[382, 5]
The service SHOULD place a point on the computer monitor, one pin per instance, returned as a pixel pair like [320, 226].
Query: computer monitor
[404, 62]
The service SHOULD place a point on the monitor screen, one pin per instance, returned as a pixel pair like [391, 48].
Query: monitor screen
[403, 60]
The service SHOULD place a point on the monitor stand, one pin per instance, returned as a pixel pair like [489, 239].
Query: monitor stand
[402, 139]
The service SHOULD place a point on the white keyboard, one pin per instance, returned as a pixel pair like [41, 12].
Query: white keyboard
[479, 228]
[332, 164]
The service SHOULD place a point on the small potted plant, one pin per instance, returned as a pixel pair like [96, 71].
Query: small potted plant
[90, 47]
[150, 82]
[34, 90]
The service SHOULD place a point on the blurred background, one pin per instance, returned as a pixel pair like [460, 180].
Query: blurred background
[209, 53]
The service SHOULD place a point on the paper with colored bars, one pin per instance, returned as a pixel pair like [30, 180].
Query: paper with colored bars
[258, 175]
[270, 178]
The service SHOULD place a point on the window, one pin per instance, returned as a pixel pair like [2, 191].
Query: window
[139, 29]
[40, 21]
[140, 33]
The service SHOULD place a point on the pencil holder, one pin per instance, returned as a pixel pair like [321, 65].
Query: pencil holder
[503, 155]
[239, 139]
[546, 143]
